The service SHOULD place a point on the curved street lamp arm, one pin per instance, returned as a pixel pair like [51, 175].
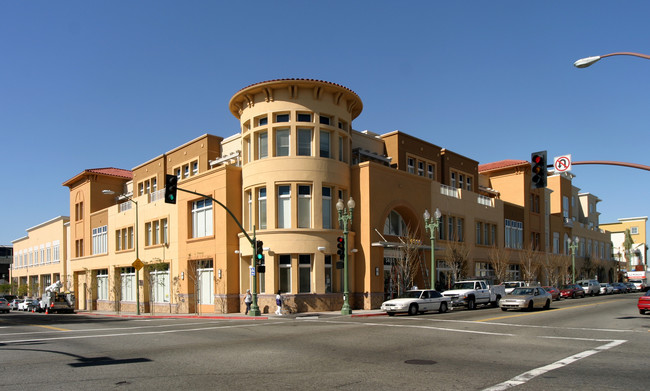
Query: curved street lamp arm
[587, 61]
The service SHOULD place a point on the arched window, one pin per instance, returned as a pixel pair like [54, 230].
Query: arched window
[395, 225]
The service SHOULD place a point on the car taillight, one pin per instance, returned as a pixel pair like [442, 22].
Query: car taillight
[52, 305]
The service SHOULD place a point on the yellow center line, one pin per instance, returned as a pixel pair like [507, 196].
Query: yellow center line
[50, 327]
[544, 312]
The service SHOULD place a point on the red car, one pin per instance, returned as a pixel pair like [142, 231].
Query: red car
[644, 303]
[555, 293]
[572, 291]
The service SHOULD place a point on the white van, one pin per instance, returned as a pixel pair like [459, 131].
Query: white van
[591, 287]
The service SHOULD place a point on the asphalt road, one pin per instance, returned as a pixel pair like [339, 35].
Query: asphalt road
[593, 343]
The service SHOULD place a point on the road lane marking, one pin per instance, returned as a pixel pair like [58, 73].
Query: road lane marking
[9, 342]
[49, 327]
[417, 327]
[543, 312]
[527, 376]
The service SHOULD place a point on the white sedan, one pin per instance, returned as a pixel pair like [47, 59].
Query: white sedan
[417, 301]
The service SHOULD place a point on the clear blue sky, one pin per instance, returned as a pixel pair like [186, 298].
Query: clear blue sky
[89, 84]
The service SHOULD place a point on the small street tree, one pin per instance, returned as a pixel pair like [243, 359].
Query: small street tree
[628, 243]
[498, 258]
[529, 264]
[457, 254]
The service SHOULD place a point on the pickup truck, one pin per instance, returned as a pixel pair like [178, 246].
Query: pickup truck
[470, 293]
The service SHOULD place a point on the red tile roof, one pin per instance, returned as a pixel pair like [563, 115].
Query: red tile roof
[501, 164]
[110, 171]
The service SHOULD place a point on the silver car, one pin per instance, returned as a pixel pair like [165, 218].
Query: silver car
[4, 305]
[527, 297]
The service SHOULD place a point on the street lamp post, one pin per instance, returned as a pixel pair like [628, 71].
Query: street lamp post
[137, 249]
[345, 217]
[587, 61]
[573, 245]
[431, 225]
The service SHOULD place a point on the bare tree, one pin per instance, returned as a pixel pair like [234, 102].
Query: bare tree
[116, 290]
[499, 259]
[528, 259]
[457, 254]
[555, 266]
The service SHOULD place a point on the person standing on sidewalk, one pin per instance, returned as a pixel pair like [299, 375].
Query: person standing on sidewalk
[278, 302]
[248, 299]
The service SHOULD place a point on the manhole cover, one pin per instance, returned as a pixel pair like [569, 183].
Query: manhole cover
[420, 362]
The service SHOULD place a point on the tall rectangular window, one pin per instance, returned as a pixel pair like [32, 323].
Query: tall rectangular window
[284, 206]
[165, 231]
[262, 145]
[304, 266]
[325, 144]
[420, 168]
[304, 142]
[156, 232]
[261, 207]
[430, 171]
[248, 212]
[327, 208]
[102, 284]
[282, 142]
[100, 240]
[159, 280]
[202, 221]
[304, 206]
[341, 149]
[410, 165]
[205, 281]
[127, 277]
[285, 272]
[453, 180]
[479, 232]
[328, 274]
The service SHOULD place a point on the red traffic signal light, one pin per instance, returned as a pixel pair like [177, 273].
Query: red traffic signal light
[340, 245]
[539, 171]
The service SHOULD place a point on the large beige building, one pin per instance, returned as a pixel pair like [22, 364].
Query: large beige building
[280, 177]
[635, 257]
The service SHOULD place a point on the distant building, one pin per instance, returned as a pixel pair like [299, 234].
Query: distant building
[636, 259]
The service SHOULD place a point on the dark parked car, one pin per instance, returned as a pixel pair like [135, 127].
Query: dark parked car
[630, 287]
[555, 293]
[572, 290]
[4, 305]
[619, 287]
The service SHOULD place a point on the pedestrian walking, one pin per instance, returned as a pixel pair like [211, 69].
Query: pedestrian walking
[278, 302]
[248, 299]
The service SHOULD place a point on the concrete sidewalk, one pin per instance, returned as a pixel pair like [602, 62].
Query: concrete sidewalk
[235, 316]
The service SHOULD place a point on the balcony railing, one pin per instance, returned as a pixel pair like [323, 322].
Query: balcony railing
[157, 195]
[449, 191]
[483, 200]
[124, 206]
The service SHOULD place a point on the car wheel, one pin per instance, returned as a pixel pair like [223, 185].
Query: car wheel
[547, 305]
[413, 309]
[495, 303]
[642, 312]
[390, 313]
[443, 307]
[471, 304]
[531, 306]
[504, 309]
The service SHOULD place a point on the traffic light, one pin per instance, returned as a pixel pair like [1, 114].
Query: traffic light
[261, 268]
[539, 171]
[340, 245]
[259, 252]
[171, 182]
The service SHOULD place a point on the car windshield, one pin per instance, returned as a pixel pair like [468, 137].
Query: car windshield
[410, 295]
[522, 291]
[511, 284]
[568, 287]
[463, 285]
